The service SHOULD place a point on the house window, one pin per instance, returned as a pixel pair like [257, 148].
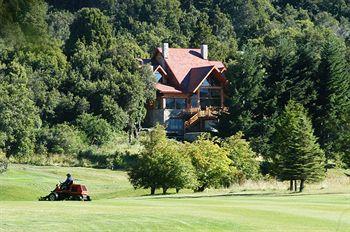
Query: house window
[158, 76]
[194, 101]
[180, 103]
[210, 97]
[170, 103]
[175, 103]
[175, 124]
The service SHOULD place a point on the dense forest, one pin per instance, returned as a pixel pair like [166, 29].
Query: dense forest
[69, 72]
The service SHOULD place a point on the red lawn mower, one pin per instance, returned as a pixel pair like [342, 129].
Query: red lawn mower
[75, 192]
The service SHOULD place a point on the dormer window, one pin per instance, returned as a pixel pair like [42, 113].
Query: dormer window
[206, 83]
[158, 76]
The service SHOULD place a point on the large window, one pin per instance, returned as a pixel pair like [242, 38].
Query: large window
[175, 124]
[175, 103]
[210, 96]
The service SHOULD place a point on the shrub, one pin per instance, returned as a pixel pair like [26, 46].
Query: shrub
[98, 131]
[60, 139]
[244, 159]
[211, 163]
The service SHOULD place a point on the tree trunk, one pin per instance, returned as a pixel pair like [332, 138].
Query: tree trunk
[295, 185]
[153, 190]
[165, 189]
[291, 187]
[302, 185]
[130, 136]
[177, 190]
[201, 188]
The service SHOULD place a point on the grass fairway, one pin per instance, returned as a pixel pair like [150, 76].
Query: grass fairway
[192, 212]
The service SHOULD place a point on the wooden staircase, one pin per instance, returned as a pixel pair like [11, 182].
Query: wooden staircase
[209, 112]
[192, 120]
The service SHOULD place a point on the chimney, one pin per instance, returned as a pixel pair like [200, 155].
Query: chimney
[204, 51]
[165, 50]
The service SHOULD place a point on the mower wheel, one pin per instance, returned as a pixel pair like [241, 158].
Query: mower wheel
[88, 198]
[52, 197]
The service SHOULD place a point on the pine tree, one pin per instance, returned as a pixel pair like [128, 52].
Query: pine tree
[334, 96]
[298, 155]
[246, 77]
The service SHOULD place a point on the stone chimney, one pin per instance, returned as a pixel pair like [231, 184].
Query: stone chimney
[165, 50]
[204, 51]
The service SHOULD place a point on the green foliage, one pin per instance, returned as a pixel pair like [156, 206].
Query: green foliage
[97, 130]
[80, 57]
[244, 159]
[59, 24]
[23, 21]
[333, 96]
[89, 27]
[161, 164]
[211, 163]
[18, 114]
[61, 139]
[297, 153]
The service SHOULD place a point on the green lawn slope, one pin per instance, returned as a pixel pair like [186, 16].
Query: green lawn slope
[27, 183]
[326, 213]
[116, 206]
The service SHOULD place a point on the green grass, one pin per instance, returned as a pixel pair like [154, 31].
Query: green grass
[27, 183]
[119, 208]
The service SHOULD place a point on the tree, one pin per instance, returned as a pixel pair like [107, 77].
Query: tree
[18, 115]
[61, 139]
[297, 153]
[97, 130]
[244, 159]
[246, 77]
[161, 164]
[333, 101]
[211, 163]
[90, 26]
[23, 21]
[59, 24]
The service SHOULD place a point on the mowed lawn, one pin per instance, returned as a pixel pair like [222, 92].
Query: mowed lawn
[115, 211]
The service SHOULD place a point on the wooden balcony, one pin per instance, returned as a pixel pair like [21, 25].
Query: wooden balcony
[209, 112]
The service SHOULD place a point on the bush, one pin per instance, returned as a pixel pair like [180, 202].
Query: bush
[47, 160]
[98, 131]
[244, 159]
[212, 165]
[60, 139]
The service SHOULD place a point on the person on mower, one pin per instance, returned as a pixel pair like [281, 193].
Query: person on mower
[67, 183]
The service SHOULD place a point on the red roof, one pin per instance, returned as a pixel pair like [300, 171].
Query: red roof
[166, 88]
[188, 67]
[182, 60]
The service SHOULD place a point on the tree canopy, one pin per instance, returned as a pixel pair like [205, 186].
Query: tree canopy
[78, 58]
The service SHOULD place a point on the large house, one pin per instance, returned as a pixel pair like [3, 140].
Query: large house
[190, 90]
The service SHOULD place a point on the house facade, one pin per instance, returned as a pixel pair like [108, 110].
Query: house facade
[190, 90]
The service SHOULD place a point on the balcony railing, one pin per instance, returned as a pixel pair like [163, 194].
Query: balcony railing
[209, 112]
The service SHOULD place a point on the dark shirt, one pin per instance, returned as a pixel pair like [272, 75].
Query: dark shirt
[68, 181]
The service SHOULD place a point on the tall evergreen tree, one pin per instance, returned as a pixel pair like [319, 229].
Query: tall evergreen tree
[297, 153]
[333, 96]
[246, 77]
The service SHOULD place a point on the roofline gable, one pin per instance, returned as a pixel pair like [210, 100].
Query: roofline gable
[200, 83]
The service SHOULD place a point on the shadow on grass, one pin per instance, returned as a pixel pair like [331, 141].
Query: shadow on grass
[269, 194]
